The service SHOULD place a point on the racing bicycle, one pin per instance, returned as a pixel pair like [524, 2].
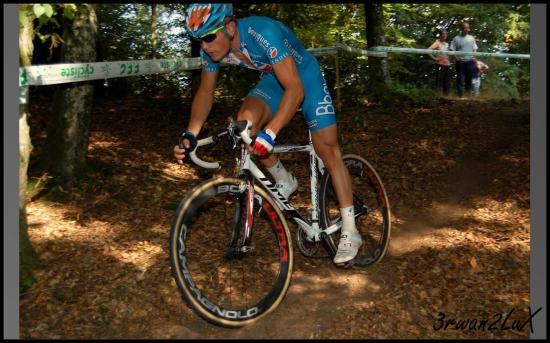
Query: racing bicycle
[231, 250]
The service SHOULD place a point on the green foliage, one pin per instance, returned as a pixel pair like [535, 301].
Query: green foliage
[46, 14]
[497, 27]
[47, 27]
[42, 9]
[506, 79]
[125, 34]
[517, 36]
[69, 11]
[408, 93]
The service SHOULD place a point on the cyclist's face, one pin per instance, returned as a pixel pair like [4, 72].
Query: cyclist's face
[218, 48]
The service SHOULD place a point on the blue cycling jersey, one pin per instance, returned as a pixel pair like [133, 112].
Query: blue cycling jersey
[266, 41]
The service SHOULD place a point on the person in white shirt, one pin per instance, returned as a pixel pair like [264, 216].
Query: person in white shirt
[464, 64]
[442, 64]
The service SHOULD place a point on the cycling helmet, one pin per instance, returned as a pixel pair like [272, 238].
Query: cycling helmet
[203, 18]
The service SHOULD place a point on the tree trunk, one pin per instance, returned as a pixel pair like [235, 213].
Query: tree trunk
[379, 78]
[27, 256]
[67, 142]
[154, 39]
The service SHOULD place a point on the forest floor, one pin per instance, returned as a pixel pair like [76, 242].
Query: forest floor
[457, 177]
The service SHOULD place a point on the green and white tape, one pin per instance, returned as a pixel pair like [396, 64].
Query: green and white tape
[441, 52]
[51, 74]
[361, 51]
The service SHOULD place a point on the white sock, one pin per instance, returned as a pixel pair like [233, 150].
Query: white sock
[279, 173]
[348, 220]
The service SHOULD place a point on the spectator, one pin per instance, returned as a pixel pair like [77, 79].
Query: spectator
[464, 64]
[442, 64]
[479, 69]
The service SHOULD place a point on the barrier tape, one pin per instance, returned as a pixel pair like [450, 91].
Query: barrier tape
[440, 52]
[361, 51]
[51, 74]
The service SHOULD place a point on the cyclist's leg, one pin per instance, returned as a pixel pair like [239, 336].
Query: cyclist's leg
[321, 120]
[262, 102]
[326, 145]
[259, 106]
[255, 108]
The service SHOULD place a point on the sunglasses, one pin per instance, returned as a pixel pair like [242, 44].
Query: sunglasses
[209, 37]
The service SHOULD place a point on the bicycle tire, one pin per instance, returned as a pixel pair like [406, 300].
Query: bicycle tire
[368, 189]
[206, 276]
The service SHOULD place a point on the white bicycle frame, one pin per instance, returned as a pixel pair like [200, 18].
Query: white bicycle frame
[311, 227]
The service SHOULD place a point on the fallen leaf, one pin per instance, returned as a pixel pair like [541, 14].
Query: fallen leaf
[474, 264]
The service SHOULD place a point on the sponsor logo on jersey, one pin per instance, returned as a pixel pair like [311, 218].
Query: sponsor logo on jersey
[272, 52]
[297, 57]
[258, 37]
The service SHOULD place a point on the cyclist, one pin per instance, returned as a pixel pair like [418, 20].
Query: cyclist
[291, 78]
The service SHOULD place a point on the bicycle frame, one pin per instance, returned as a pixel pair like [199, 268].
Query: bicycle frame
[240, 131]
[310, 226]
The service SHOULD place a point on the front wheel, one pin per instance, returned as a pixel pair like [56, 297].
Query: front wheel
[224, 282]
[371, 206]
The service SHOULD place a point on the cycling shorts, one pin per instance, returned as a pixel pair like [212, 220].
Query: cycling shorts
[317, 104]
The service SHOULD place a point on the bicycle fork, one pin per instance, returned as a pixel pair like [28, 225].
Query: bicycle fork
[244, 199]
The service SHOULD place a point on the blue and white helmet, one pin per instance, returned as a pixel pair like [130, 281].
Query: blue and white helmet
[200, 19]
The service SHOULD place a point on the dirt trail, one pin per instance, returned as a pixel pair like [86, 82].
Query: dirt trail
[457, 176]
[321, 294]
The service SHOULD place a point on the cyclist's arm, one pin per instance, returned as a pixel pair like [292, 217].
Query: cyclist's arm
[202, 102]
[287, 74]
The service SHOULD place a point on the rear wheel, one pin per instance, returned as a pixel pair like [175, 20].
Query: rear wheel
[372, 209]
[225, 283]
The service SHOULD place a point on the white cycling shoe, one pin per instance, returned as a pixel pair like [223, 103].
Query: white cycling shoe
[348, 247]
[287, 188]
